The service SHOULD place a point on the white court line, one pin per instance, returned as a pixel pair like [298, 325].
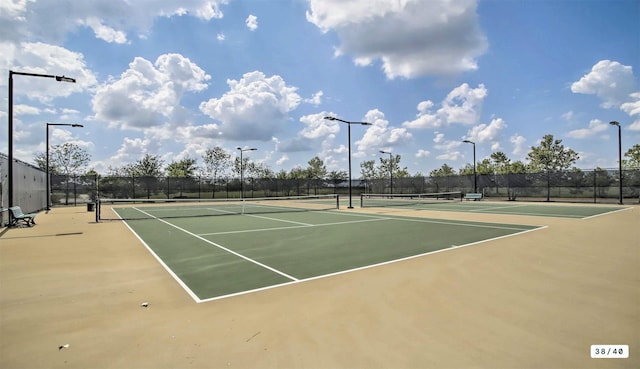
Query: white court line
[220, 246]
[165, 266]
[290, 227]
[280, 220]
[498, 207]
[461, 223]
[608, 212]
[368, 266]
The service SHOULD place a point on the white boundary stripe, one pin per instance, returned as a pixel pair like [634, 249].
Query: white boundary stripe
[369, 266]
[607, 213]
[515, 227]
[279, 220]
[479, 224]
[222, 247]
[290, 227]
[497, 207]
[165, 266]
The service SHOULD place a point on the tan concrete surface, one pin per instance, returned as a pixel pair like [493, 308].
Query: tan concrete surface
[537, 300]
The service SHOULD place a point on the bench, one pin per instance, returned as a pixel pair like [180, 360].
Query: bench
[18, 216]
[473, 196]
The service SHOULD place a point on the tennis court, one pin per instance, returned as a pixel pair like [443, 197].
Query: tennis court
[261, 245]
[452, 201]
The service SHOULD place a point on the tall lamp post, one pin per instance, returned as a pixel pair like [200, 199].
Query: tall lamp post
[614, 123]
[47, 169]
[10, 116]
[390, 170]
[475, 174]
[242, 169]
[349, 137]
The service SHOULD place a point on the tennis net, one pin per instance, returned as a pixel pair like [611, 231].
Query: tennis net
[133, 209]
[368, 200]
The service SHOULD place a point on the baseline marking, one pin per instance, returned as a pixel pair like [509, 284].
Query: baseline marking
[608, 212]
[291, 227]
[221, 247]
[368, 266]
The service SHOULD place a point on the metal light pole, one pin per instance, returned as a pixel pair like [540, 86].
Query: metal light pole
[242, 169]
[614, 123]
[349, 137]
[390, 171]
[475, 175]
[48, 174]
[10, 117]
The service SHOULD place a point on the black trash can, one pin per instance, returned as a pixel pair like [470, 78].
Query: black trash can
[90, 206]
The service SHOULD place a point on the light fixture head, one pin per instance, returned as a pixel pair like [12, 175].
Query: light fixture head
[65, 79]
[615, 123]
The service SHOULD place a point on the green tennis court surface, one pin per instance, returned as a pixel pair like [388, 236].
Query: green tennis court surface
[513, 208]
[221, 256]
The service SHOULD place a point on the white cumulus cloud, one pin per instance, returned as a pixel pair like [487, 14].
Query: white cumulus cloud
[487, 132]
[256, 107]
[411, 37]
[595, 126]
[380, 134]
[462, 105]
[148, 94]
[251, 22]
[609, 80]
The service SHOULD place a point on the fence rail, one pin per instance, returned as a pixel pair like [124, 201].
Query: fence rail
[599, 186]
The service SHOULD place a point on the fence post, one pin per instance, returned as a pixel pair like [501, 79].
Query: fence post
[595, 186]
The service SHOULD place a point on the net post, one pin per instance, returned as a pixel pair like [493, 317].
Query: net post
[97, 210]
[337, 201]
[361, 200]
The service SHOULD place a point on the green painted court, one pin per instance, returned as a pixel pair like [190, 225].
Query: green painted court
[220, 256]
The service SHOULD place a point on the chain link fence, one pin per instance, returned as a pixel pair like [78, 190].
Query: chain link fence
[597, 186]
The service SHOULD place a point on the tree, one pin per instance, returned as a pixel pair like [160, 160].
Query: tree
[485, 167]
[183, 168]
[69, 160]
[391, 168]
[336, 177]
[444, 172]
[216, 161]
[518, 167]
[316, 171]
[368, 169]
[369, 173]
[502, 167]
[148, 166]
[550, 157]
[297, 174]
[633, 155]
[500, 162]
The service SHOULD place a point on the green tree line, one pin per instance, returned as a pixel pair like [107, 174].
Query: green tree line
[548, 157]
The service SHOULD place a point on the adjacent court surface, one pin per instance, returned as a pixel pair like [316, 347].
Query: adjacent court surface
[220, 256]
[483, 206]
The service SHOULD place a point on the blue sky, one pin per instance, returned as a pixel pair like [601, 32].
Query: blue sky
[174, 80]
